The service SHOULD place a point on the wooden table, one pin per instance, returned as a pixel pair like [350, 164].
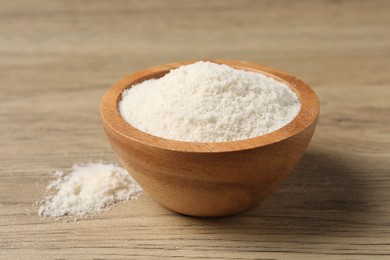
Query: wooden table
[58, 57]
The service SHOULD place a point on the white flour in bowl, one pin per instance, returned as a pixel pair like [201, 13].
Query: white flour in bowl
[209, 102]
[88, 189]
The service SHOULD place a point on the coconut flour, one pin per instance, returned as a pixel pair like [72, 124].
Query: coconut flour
[88, 189]
[209, 102]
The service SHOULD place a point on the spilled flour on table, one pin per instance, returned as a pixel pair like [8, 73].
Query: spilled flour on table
[87, 189]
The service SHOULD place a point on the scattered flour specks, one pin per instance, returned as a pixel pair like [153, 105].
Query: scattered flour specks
[88, 189]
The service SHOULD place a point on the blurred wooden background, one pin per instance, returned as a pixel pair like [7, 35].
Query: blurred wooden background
[58, 57]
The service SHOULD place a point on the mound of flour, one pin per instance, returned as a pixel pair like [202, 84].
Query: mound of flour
[88, 189]
[209, 102]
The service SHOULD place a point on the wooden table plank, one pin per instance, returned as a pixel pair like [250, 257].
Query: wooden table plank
[58, 57]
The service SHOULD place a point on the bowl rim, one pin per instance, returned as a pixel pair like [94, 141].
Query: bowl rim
[111, 117]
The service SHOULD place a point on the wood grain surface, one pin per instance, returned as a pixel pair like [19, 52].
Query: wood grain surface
[58, 57]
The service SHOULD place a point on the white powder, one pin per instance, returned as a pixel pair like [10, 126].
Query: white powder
[88, 189]
[208, 102]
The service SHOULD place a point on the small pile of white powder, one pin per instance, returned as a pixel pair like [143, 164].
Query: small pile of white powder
[208, 102]
[88, 189]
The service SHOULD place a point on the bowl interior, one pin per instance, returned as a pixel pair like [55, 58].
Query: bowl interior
[308, 113]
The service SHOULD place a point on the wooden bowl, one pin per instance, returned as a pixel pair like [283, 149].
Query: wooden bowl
[210, 179]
